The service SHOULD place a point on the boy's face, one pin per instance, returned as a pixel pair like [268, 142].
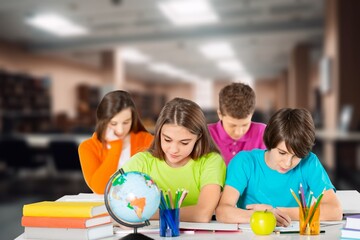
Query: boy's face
[235, 127]
[281, 159]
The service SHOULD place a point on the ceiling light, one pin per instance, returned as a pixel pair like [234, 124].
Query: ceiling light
[188, 12]
[165, 68]
[231, 65]
[56, 25]
[133, 55]
[217, 50]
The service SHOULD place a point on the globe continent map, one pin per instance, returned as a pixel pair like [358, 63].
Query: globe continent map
[133, 197]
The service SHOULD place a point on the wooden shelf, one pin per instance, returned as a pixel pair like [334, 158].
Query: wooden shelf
[25, 102]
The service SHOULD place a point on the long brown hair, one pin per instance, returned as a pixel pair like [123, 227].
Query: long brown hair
[111, 104]
[188, 114]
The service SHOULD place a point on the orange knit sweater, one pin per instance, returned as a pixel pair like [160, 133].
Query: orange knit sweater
[98, 163]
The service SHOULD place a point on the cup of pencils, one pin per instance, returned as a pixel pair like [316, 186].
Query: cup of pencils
[309, 212]
[169, 213]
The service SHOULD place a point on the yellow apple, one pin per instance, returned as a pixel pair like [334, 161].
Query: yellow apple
[262, 222]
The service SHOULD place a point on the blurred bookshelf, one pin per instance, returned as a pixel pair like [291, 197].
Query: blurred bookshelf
[25, 102]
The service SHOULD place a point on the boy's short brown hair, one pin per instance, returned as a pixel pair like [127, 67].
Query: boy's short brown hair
[237, 100]
[295, 127]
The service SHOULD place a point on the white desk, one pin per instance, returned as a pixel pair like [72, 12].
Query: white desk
[337, 135]
[341, 154]
[43, 140]
[331, 233]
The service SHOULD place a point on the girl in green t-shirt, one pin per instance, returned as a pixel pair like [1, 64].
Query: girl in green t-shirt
[183, 156]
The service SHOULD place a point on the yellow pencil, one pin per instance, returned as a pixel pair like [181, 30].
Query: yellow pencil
[296, 198]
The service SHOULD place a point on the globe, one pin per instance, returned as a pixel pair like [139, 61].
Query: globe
[131, 198]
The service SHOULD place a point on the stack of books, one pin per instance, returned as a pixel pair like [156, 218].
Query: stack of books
[351, 229]
[66, 220]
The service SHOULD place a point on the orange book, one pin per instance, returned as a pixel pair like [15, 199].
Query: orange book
[64, 222]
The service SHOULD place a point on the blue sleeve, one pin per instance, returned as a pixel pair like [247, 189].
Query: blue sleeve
[238, 172]
[317, 178]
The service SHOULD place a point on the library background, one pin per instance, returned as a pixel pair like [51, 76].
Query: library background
[50, 86]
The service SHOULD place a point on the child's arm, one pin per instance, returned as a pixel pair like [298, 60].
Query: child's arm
[96, 168]
[330, 207]
[283, 218]
[205, 207]
[227, 212]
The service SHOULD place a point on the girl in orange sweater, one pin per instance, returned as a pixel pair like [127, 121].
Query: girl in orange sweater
[119, 134]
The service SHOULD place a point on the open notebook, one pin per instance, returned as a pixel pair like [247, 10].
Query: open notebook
[294, 227]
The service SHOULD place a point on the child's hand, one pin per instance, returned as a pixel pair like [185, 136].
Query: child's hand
[282, 219]
[110, 135]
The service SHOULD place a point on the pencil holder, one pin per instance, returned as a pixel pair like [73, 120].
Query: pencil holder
[169, 222]
[309, 221]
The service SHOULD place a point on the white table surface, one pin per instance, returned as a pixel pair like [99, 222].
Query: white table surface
[332, 232]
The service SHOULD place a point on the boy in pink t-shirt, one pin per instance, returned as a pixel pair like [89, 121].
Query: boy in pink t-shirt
[235, 131]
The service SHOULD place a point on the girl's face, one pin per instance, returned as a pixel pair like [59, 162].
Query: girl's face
[177, 143]
[120, 124]
[281, 159]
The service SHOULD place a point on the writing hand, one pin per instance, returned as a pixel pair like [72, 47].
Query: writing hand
[282, 219]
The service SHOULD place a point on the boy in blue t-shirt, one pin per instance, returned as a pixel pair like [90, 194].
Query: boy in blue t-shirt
[262, 179]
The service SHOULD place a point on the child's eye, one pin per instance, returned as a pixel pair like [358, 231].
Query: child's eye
[113, 124]
[167, 140]
[184, 143]
[282, 153]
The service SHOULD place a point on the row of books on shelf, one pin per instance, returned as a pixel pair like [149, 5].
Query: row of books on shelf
[66, 220]
[351, 228]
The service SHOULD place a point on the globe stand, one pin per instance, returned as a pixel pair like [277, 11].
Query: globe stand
[136, 236]
[132, 236]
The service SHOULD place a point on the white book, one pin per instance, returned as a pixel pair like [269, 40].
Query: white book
[349, 200]
[353, 222]
[350, 233]
[82, 197]
[100, 231]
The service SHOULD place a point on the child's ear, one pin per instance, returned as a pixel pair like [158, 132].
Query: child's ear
[219, 114]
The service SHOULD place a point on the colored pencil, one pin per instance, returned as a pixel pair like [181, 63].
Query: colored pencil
[296, 198]
[316, 205]
[302, 195]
